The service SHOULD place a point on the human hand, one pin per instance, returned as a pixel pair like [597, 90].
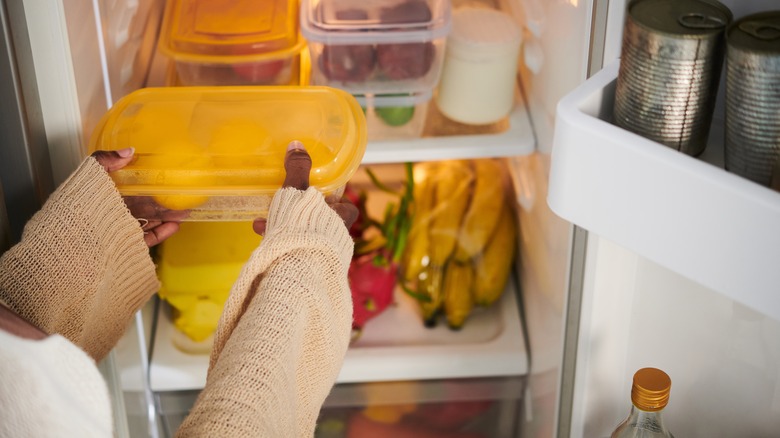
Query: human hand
[297, 164]
[141, 207]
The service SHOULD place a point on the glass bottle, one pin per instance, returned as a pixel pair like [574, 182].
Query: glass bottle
[649, 396]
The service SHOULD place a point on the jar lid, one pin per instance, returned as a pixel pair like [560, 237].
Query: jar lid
[650, 390]
[230, 31]
[479, 33]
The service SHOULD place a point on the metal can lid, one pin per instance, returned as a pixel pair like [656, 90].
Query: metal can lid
[756, 33]
[681, 17]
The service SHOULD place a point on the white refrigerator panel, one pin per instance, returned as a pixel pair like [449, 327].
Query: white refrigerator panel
[723, 357]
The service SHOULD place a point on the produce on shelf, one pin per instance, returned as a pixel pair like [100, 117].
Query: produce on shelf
[352, 62]
[395, 115]
[458, 292]
[452, 192]
[378, 249]
[462, 241]
[490, 266]
[483, 212]
[407, 60]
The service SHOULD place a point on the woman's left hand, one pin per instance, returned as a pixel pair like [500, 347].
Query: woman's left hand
[155, 231]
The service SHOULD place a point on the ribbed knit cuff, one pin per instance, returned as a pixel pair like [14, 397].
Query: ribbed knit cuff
[296, 220]
[298, 217]
[82, 268]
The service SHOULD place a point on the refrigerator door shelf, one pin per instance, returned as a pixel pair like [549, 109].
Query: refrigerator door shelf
[685, 213]
[394, 346]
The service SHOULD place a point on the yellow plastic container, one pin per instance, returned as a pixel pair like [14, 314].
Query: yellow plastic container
[217, 153]
[233, 42]
[197, 267]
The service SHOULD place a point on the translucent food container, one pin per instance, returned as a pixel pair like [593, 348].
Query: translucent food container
[235, 42]
[217, 153]
[378, 47]
[395, 117]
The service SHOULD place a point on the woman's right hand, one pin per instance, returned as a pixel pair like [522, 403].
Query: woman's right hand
[297, 165]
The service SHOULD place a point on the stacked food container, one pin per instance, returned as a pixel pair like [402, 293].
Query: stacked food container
[388, 53]
[238, 42]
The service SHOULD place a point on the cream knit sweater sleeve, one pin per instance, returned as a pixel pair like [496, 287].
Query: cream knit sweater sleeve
[82, 268]
[285, 328]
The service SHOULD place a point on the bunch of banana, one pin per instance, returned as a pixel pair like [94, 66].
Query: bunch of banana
[462, 241]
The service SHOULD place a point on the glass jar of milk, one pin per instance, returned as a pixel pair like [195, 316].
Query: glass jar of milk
[480, 66]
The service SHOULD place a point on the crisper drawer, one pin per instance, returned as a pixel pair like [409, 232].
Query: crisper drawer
[455, 408]
[687, 214]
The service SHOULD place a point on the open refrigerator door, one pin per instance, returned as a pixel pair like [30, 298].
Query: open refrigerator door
[554, 356]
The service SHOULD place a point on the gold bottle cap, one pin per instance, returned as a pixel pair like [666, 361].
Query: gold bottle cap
[650, 391]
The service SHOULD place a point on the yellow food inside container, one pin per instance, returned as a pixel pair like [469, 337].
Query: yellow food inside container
[197, 267]
[218, 152]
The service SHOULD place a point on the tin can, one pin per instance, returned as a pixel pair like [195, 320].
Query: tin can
[671, 59]
[753, 96]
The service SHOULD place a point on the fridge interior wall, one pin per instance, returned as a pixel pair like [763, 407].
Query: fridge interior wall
[723, 357]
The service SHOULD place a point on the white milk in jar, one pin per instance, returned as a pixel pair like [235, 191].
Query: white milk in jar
[480, 66]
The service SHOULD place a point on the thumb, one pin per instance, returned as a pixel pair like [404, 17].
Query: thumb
[114, 160]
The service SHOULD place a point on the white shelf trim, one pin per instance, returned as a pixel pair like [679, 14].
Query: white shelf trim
[684, 213]
[517, 140]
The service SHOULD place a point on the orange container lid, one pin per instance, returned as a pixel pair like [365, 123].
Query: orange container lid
[211, 141]
[230, 31]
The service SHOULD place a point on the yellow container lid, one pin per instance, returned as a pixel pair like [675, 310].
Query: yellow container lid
[231, 141]
[230, 31]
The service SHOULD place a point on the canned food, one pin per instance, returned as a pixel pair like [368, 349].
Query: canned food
[671, 58]
[753, 96]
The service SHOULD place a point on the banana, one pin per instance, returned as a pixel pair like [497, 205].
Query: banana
[458, 294]
[493, 265]
[452, 193]
[484, 211]
[416, 255]
[430, 285]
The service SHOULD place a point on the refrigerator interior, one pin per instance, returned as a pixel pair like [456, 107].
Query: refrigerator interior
[587, 293]
[87, 54]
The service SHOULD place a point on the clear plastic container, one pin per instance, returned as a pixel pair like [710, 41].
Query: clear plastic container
[395, 117]
[378, 47]
[236, 42]
[218, 152]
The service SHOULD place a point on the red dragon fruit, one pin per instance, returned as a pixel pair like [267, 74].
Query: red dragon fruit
[372, 281]
[372, 273]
